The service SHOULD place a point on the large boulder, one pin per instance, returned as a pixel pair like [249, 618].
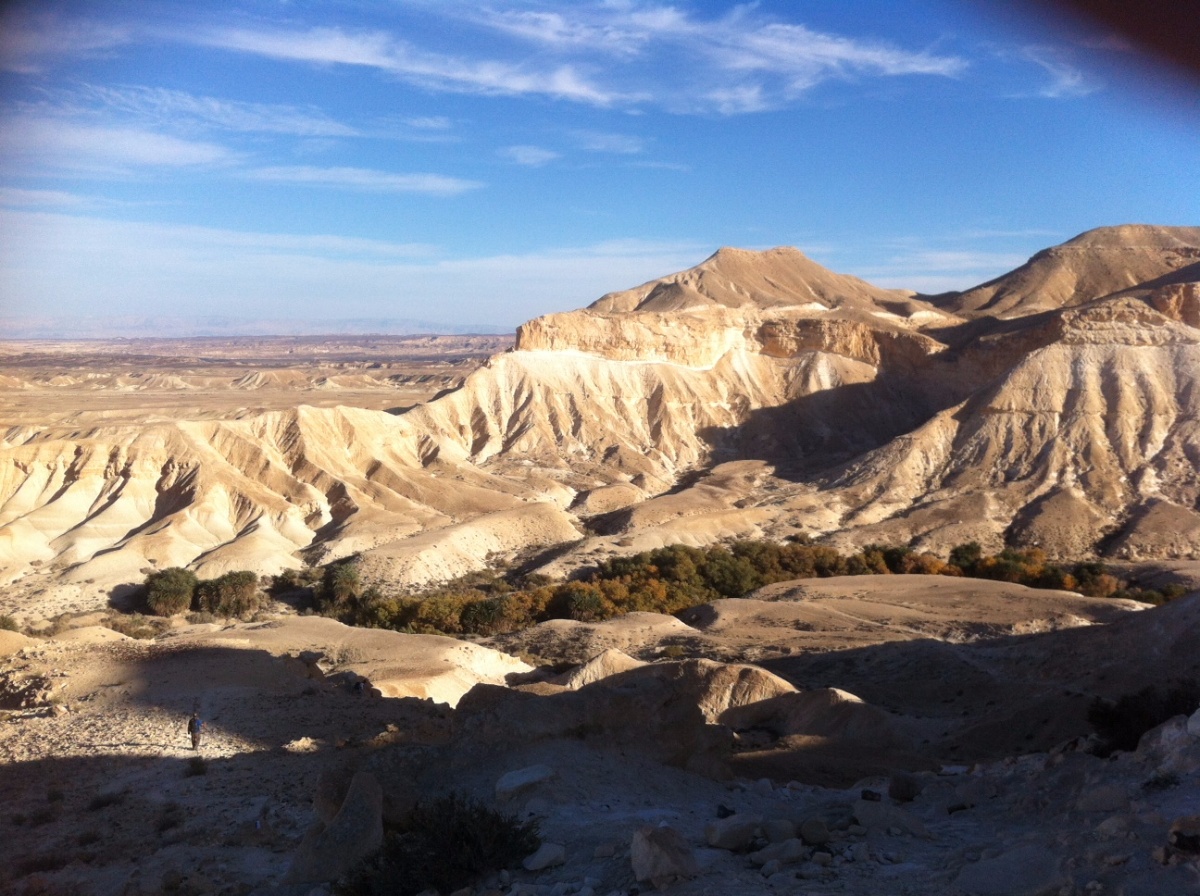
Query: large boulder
[661, 856]
[330, 850]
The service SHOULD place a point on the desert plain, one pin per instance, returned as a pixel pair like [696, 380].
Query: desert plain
[847, 734]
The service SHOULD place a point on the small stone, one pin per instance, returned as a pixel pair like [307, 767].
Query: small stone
[779, 829]
[604, 851]
[733, 833]
[815, 832]
[894, 831]
[764, 786]
[1193, 724]
[547, 856]
[904, 787]
[772, 867]
[1185, 834]
[786, 852]
[522, 779]
[881, 816]
[823, 858]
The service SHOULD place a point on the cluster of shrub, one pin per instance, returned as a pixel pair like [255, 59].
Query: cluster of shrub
[672, 579]
[175, 590]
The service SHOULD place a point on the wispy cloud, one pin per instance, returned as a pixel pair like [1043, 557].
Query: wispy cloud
[46, 142]
[188, 110]
[364, 179]
[380, 50]
[604, 54]
[1066, 79]
[13, 197]
[29, 41]
[531, 156]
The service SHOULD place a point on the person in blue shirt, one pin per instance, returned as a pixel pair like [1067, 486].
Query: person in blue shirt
[196, 729]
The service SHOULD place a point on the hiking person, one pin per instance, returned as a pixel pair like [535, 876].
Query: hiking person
[195, 729]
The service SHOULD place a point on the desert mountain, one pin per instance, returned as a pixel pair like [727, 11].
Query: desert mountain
[1099, 263]
[755, 394]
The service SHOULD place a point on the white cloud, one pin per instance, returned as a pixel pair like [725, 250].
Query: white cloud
[44, 142]
[1066, 80]
[531, 156]
[72, 265]
[606, 55]
[12, 197]
[364, 179]
[931, 270]
[377, 49]
[180, 108]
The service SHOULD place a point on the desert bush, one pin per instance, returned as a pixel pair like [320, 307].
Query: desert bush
[8, 624]
[341, 585]
[234, 594]
[134, 625]
[170, 591]
[965, 556]
[1121, 723]
[443, 845]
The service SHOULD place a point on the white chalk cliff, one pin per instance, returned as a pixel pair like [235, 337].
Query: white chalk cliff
[755, 394]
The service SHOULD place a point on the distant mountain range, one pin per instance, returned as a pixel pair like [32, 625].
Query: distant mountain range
[135, 326]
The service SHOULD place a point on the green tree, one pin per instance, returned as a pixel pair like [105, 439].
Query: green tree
[170, 591]
[233, 594]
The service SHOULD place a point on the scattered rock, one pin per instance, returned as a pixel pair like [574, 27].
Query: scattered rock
[786, 852]
[779, 829]
[662, 856]
[734, 832]
[1184, 835]
[814, 832]
[520, 780]
[881, 816]
[904, 787]
[547, 856]
[1024, 871]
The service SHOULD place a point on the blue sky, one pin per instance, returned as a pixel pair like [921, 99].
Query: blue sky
[479, 164]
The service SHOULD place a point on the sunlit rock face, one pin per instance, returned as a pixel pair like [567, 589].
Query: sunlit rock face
[757, 394]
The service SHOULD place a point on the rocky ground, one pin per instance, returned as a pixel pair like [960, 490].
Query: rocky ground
[622, 763]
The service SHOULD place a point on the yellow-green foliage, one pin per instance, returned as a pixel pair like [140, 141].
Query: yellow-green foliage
[671, 579]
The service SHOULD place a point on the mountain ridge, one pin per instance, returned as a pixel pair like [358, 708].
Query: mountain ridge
[795, 400]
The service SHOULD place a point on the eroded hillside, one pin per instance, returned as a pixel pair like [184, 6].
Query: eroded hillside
[755, 394]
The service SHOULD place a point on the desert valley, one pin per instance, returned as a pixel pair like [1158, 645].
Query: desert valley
[903, 714]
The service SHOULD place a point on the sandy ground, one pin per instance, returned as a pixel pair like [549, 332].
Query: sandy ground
[102, 794]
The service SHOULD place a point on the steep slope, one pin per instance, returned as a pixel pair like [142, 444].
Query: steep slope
[1095, 264]
[1074, 442]
[755, 394]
